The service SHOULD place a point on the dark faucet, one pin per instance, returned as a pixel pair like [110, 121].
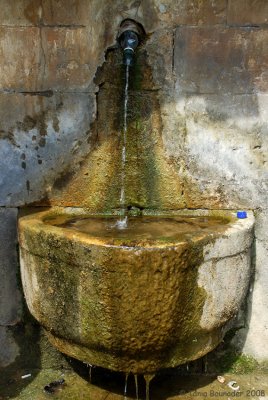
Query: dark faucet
[129, 37]
[129, 41]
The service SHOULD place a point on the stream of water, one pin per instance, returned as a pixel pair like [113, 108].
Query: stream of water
[147, 378]
[122, 222]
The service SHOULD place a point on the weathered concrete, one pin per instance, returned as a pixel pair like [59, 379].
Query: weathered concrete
[10, 296]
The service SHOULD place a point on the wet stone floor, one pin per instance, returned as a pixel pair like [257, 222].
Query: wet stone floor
[110, 386]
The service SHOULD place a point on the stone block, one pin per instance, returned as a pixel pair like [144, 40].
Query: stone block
[21, 58]
[247, 12]
[223, 294]
[161, 62]
[224, 152]
[257, 335]
[40, 138]
[76, 12]
[237, 239]
[218, 60]
[36, 59]
[261, 225]
[46, 12]
[21, 13]
[191, 12]
[69, 59]
[10, 299]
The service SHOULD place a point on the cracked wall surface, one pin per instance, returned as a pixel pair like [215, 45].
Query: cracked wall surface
[209, 74]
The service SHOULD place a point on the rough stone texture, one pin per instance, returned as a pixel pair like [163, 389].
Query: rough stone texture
[82, 289]
[247, 12]
[228, 168]
[215, 276]
[219, 60]
[9, 348]
[150, 180]
[25, 13]
[238, 236]
[257, 324]
[191, 12]
[47, 58]
[39, 138]
[10, 297]
[67, 59]
[48, 13]
[21, 57]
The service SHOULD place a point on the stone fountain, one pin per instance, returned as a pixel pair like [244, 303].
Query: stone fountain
[157, 294]
[135, 302]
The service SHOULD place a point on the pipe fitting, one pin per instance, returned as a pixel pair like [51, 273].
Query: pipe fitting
[129, 37]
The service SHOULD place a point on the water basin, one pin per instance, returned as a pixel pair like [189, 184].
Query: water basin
[146, 229]
[154, 295]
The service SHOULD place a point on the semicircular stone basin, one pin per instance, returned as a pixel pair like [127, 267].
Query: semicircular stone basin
[155, 295]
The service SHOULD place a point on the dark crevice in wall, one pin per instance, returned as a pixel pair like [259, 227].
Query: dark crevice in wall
[72, 26]
[228, 26]
[173, 50]
[43, 62]
[45, 93]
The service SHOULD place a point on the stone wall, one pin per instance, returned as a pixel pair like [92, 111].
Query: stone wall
[209, 66]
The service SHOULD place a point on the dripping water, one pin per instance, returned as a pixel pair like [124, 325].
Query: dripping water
[122, 223]
[205, 364]
[148, 379]
[136, 386]
[89, 372]
[125, 388]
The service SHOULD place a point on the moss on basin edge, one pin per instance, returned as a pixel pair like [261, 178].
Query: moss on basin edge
[124, 308]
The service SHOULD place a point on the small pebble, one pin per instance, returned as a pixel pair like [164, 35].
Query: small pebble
[221, 379]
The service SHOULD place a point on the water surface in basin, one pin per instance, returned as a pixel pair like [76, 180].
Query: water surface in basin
[157, 228]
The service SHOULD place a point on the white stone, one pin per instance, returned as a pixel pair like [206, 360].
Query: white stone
[225, 282]
[257, 335]
[237, 239]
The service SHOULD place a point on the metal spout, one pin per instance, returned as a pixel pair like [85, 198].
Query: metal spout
[129, 41]
[129, 37]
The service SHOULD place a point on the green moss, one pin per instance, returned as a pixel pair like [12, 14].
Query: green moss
[238, 363]
[230, 360]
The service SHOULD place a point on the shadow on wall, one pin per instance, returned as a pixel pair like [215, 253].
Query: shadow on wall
[26, 335]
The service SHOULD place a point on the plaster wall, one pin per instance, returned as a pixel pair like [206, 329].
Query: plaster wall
[209, 66]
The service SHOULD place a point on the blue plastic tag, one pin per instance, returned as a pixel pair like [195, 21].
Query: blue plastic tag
[241, 214]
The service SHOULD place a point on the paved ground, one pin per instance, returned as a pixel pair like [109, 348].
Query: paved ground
[110, 386]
